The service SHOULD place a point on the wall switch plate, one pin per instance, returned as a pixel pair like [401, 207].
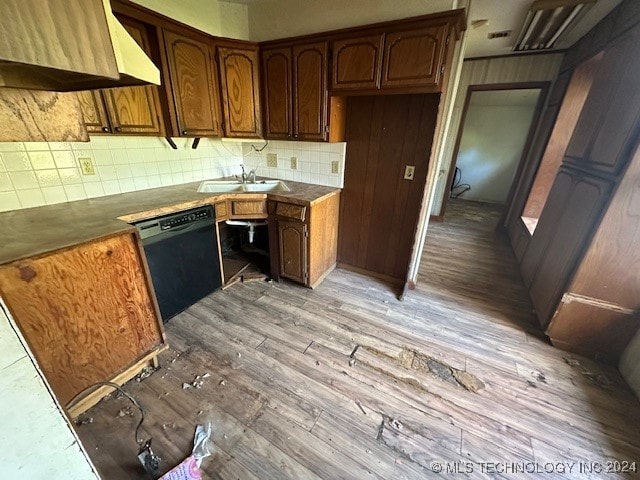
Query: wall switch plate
[409, 170]
[335, 166]
[294, 163]
[86, 166]
[272, 160]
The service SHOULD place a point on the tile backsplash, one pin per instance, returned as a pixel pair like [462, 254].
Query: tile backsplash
[41, 173]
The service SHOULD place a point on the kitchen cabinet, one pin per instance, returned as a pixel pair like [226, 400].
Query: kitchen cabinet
[401, 57]
[240, 83]
[303, 239]
[357, 62]
[295, 91]
[87, 312]
[124, 110]
[192, 88]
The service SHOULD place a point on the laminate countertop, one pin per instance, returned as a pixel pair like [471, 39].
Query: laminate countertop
[35, 231]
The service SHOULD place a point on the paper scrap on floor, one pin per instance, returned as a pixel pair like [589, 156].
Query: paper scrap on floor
[189, 468]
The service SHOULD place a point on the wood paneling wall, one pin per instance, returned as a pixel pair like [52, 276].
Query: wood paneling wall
[518, 69]
[379, 209]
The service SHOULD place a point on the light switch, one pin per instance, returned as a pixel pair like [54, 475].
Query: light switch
[408, 172]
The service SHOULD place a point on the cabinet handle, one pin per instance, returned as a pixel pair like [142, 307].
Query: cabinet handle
[184, 132]
[295, 135]
[118, 129]
[105, 129]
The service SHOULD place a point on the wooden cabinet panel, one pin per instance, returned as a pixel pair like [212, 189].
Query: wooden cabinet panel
[135, 110]
[240, 84]
[79, 335]
[93, 111]
[414, 58]
[289, 210]
[357, 63]
[292, 239]
[244, 208]
[194, 89]
[575, 204]
[609, 119]
[310, 91]
[277, 88]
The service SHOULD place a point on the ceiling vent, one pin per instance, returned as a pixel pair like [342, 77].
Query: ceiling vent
[503, 34]
[547, 20]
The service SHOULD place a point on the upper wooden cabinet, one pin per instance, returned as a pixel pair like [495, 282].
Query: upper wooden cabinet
[125, 110]
[414, 57]
[193, 90]
[277, 96]
[240, 95]
[357, 62]
[295, 91]
[402, 56]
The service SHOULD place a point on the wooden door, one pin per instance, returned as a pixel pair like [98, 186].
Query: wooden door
[573, 207]
[94, 112]
[357, 63]
[379, 209]
[310, 91]
[194, 86]
[240, 91]
[135, 110]
[277, 93]
[414, 58]
[292, 239]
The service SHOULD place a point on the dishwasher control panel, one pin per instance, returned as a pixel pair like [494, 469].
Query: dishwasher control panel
[179, 221]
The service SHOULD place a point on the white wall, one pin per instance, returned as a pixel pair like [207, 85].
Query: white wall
[630, 364]
[40, 173]
[36, 441]
[215, 17]
[490, 149]
[271, 19]
[531, 68]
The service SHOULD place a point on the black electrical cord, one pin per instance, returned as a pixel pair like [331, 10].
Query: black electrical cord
[455, 184]
[121, 390]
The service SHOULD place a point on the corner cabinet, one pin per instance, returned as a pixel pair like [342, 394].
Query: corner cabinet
[303, 239]
[124, 110]
[295, 91]
[192, 89]
[239, 78]
[81, 336]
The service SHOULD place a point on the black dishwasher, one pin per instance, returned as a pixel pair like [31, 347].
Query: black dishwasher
[182, 253]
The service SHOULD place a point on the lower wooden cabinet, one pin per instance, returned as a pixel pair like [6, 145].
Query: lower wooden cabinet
[88, 312]
[303, 239]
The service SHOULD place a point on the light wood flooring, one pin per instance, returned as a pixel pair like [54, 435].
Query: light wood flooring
[284, 401]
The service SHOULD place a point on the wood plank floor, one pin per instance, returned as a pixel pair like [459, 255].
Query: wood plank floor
[284, 401]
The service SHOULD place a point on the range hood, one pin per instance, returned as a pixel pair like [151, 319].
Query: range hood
[68, 45]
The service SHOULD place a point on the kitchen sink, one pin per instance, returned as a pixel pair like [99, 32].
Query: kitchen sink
[233, 186]
[221, 186]
[266, 186]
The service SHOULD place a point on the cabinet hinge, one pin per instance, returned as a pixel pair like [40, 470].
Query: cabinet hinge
[446, 42]
[326, 129]
[442, 70]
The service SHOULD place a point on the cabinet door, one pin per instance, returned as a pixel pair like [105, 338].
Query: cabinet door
[310, 91]
[93, 111]
[135, 110]
[414, 58]
[357, 63]
[277, 92]
[240, 95]
[292, 238]
[194, 89]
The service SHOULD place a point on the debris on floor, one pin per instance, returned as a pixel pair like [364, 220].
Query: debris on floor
[145, 373]
[571, 361]
[197, 382]
[352, 357]
[596, 379]
[125, 412]
[189, 468]
[361, 408]
[83, 420]
[539, 376]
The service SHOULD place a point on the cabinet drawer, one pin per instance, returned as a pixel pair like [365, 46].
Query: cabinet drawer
[289, 210]
[248, 207]
[221, 210]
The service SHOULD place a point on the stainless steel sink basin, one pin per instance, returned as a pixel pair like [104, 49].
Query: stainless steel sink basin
[233, 186]
[220, 186]
[266, 186]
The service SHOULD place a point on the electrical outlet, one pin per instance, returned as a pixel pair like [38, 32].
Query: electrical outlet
[86, 166]
[335, 166]
[409, 170]
[294, 163]
[272, 160]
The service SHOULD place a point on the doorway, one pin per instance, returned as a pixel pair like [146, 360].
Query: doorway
[498, 123]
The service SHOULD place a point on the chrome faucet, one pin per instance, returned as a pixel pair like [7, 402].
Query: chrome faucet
[246, 176]
[252, 174]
